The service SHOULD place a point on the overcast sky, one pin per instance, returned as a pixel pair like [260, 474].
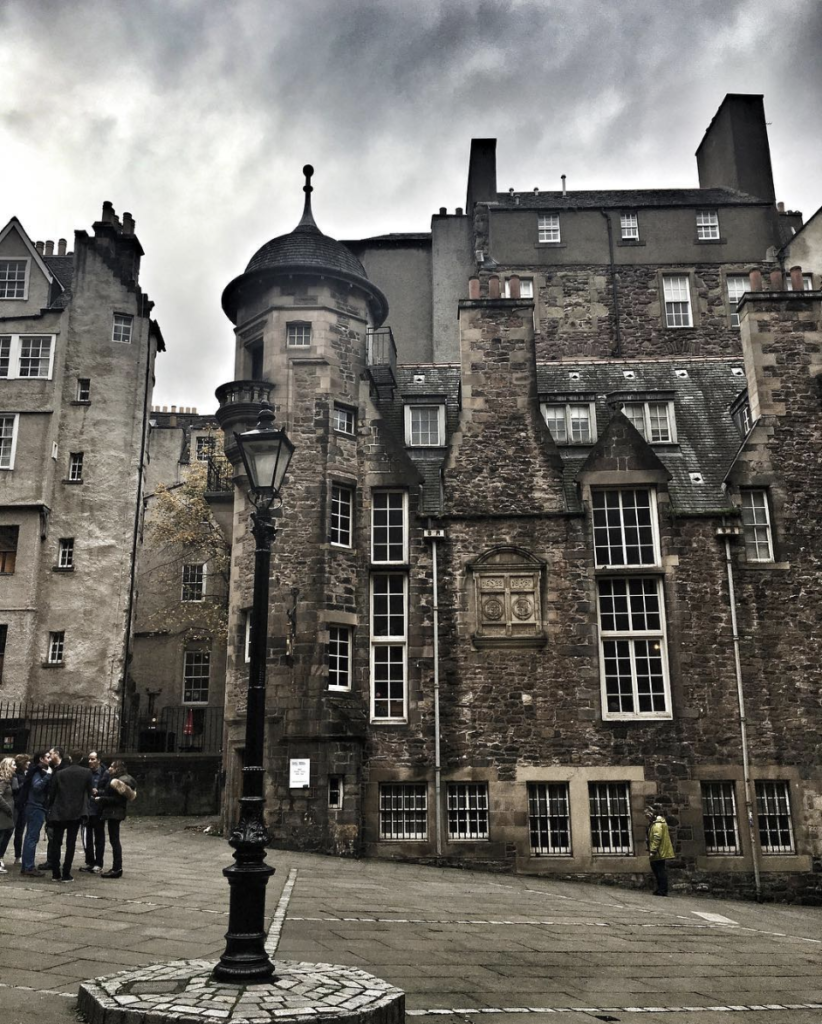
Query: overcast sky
[197, 117]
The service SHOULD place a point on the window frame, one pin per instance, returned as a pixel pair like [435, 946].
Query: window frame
[345, 657]
[196, 585]
[669, 314]
[187, 678]
[653, 515]
[807, 283]
[388, 642]
[388, 527]
[26, 261]
[403, 814]
[548, 226]
[611, 794]
[201, 448]
[567, 407]
[122, 328]
[409, 429]
[725, 795]
[295, 331]
[749, 538]
[625, 226]
[646, 431]
[7, 462]
[56, 647]
[539, 807]
[336, 521]
[83, 393]
[458, 799]
[526, 285]
[76, 466]
[346, 413]
[336, 783]
[247, 636]
[5, 552]
[633, 637]
[707, 226]
[11, 348]
[733, 302]
[763, 797]
[65, 554]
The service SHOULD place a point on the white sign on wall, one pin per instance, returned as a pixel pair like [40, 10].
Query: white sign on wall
[299, 776]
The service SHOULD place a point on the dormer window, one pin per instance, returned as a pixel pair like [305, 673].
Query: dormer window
[571, 422]
[425, 426]
[14, 279]
[298, 334]
[654, 420]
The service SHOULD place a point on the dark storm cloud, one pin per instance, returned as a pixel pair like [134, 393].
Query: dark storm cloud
[198, 116]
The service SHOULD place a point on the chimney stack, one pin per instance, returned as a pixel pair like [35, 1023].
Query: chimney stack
[49, 248]
[128, 224]
[61, 247]
[564, 191]
[39, 247]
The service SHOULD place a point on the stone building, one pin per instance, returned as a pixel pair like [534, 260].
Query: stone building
[548, 552]
[77, 352]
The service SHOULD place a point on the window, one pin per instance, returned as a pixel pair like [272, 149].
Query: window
[256, 351]
[57, 643]
[719, 818]
[247, 636]
[737, 285]
[610, 808]
[335, 791]
[388, 646]
[548, 225]
[654, 420]
[389, 530]
[4, 631]
[707, 225]
[756, 525]
[632, 648]
[743, 419]
[467, 810]
[807, 283]
[35, 356]
[196, 672]
[773, 808]
[8, 441]
[298, 334]
[629, 227]
[425, 425]
[677, 291]
[76, 467]
[8, 549]
[205, 447]
[193, 582]
[344, 420]
[342, 509]
[625, 527]
[572, 423]
[13, 279]
[83, 389]
[403, 810]
[339, 657]
[526, 288]
[65, 553]
[26, 355]
[121, 332]
[549, 819]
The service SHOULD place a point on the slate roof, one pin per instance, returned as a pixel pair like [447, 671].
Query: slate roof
[707, 437]
[627, 198]
[63, 269]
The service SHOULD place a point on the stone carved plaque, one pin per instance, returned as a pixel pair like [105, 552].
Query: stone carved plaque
[508, 598]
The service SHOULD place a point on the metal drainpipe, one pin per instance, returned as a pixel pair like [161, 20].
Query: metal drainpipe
[749, 803]
[614, 289]
[437, 760]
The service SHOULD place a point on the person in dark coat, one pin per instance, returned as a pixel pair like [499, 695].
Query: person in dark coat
[22, 761]
[7, 809]
[94, 834]
[69, 794]
[33, 798]
[119, 793]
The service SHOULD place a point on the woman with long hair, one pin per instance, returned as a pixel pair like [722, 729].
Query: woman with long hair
[7, 816]
[119, 793]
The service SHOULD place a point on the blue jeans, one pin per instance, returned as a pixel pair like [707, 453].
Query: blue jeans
[35, 816]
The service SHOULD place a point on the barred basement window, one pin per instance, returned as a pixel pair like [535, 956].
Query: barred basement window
[625, 527]
[549, 819]
[389, 527]
[57, 645]
[404, 810]
[193, 582]
[467, 810]
[342, 510]
[8, 549]
[719, 818]
[339, 657]
[773, 808]
[707, 225]
[610, 811]
[196, 674]
[121, 332]
[756, 525]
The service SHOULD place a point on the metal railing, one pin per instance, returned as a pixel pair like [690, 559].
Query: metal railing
[219, 475]
[381, 349]
[182, 729]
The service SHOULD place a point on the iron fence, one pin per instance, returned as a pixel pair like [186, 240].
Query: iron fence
[26, 726]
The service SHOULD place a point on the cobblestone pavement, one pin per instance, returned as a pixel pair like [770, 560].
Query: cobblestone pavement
[465, 946]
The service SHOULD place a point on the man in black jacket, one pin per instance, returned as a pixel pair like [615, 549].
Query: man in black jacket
[68, 795]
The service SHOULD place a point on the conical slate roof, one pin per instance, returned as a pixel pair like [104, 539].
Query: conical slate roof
[305, 250]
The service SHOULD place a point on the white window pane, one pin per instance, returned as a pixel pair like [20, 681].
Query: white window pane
[548, 224]
[707, 225]
[555, 418]
[13, 279]
[579, 417]
[425, 425]
[629, 226]
[635, 411]
[388, 526]
[756, 526]
[658, 422]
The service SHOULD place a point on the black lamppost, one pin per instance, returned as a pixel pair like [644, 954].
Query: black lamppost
[266, 453]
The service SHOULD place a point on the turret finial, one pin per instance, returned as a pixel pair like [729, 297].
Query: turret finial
[307, 222]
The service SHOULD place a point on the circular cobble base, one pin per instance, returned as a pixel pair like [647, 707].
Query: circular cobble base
[185, 992]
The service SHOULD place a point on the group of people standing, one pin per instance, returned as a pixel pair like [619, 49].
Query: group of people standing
[66, 794]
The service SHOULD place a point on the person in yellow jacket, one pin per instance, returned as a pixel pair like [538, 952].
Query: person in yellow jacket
[660, 849]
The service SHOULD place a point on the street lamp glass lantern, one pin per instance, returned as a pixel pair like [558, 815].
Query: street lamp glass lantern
[266, 453]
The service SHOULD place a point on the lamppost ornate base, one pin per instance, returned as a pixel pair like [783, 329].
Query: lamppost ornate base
[186, 992]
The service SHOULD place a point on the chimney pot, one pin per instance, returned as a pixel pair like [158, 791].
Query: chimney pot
[49, 248]
[536, 190]
[39, 247]
[473, 288]
[513, 287]
[777, 281]
[174, 408]
[493, 287]
[61, 247]
[128, 224]
[780, 207]
[563, 184]
[797, 281]
[165, 408]
[458, 211]
[755, 277]
[443, 211]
